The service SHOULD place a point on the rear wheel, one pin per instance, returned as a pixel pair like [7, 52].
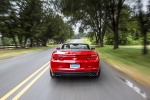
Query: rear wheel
[52, 76]
[98, 74]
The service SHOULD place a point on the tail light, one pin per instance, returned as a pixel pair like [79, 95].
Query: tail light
[94, 58]
[55, 58]
[88, 58]
[60, 58]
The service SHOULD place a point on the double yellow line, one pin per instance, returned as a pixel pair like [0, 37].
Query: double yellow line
[23, 82]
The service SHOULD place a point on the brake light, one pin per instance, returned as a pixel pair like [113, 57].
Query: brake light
[94, 58]
[88, 58]
[55, 58]
[60, 58]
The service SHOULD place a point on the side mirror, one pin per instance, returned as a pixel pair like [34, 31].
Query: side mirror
[58, 48]
[92, 48]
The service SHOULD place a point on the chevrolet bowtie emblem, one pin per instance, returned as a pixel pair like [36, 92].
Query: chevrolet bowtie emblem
[74, 58]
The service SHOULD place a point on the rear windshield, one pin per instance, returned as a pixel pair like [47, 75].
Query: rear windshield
[75, 46]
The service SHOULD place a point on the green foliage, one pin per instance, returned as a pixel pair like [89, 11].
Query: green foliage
[125, 39]
[5, 6]
[148, 38]
[99, 16]
[109, 39]
[131, 41]
[90, 13]
[76, 36]
[33, 21]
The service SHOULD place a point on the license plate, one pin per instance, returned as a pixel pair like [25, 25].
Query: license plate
[74, 65]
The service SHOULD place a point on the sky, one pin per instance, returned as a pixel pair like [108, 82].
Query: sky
[144, 3]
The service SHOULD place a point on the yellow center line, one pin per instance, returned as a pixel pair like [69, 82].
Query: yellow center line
[29, 85]
[22, 83]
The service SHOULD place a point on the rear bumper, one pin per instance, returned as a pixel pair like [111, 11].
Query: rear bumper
[75, 73]
[87, 68]
[65, 65]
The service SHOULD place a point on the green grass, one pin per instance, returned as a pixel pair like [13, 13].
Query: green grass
[127, 55]
[8, 53]
[127, 59]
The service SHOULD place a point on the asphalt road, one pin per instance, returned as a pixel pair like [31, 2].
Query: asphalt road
[26, 77]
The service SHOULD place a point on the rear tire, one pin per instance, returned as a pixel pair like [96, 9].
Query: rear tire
[98, 74]
[52, 76]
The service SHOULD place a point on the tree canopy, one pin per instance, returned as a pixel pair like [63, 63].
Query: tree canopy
[32, 22]
[35, 22]
[110, 21]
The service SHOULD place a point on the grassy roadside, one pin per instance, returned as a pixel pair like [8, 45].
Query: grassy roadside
[8, 53]
[127, 59]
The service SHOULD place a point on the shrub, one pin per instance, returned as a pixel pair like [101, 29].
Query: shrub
[130, 41]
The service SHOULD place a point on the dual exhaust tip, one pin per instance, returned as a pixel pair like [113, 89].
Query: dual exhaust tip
[92, 74]
[57, 74]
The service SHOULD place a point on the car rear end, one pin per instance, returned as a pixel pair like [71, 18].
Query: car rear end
[75, 64]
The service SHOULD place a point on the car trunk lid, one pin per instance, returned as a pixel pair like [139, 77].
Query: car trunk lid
[75, 54]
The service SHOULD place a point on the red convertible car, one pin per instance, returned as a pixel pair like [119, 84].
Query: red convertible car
[75, 59]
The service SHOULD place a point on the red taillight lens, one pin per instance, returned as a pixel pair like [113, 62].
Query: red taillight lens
[55, 58]
[88, 58]
[61, 58]
[94, 58]
[58, 58]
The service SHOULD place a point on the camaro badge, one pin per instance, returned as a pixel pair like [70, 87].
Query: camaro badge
[74, 58]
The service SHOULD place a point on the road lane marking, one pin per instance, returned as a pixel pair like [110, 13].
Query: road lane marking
[22, 83]
[135, 88]
[29, 85]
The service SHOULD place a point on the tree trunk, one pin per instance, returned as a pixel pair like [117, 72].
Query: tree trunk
[37, 42]
[103, 34]
[116, 46]
[31, 42]
[96, 38]
[44, 43]
[25, 41]
[14, 41]
[101, 43]
[116, 38]
[20, 41]
[3, 42]
[145, 44]
[100, 39]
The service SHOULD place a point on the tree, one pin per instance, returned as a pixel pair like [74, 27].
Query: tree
[144, 22]
[62, 31]
[114, 8]
[4, 10]
[90, 13]
[33, 21]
